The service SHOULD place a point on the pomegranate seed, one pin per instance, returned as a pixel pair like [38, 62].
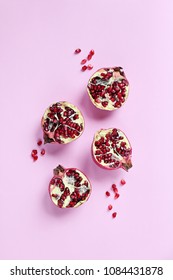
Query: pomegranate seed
[39, 143]
[92, 52]
[89, 57]
[114, 215]
[83, 61]
[110, 207]
[116, 195]
[107, 193]
[114, 188]
[123, 182]
[84, 68]
[77, 51]
[35, 157]
[34, 152]
[89, 67]
[43, 152]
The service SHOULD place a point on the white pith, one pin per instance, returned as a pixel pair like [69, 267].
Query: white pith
[69, 182]
[116, 156]
[79, 121]
[116, 77]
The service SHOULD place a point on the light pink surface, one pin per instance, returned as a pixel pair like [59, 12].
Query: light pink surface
[38, 67]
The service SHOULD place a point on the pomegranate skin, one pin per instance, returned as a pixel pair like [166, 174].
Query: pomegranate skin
[118, 161]
[69, 187]
[64, 125]
[108, 88]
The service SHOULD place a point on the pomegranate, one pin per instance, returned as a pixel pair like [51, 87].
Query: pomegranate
[108, 88]
[69, 187]
[111, 149]
[62, 123]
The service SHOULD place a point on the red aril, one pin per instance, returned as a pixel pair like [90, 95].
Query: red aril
[89, 56]
[39, 143]
[110, 207]
[92, 52]
[116, 195]
[107, 193]
[43, 152]
[77, 51]
[69, 187]
[123, 182]
[83, 61]
[84, 68]
[114, 215]
[89, 67]
[114, 188]
[62, 123]
[111, 149]
[108, 88]
[34, 152]
[35, 157]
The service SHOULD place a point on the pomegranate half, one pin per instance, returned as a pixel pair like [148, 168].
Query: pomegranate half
[108, 88]
[69, 187]
[111, 149]
[62, 123]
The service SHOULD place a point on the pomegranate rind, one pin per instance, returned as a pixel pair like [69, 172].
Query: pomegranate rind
[122, 161]
[118, 75]
[69, 183]
[49, 137]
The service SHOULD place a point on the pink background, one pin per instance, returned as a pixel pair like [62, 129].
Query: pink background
[38, 67]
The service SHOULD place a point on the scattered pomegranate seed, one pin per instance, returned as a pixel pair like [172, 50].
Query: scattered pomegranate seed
[77, 51]
[39, 143]
[123, 182]
[43, 152]
[114, 187]
[84, 68]
[34, 152]
[116, 195]
[92, 52]
[83, 61]
[89, 67]
[114, 215]
[35, 157]
[107, 193]
[89, 57]
[110, 207]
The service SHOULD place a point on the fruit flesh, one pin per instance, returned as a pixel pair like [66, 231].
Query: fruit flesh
[62, 123]
[69, 188]
[108, 88]
[111, 149]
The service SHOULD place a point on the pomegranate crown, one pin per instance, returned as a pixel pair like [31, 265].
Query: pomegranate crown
[59, 170]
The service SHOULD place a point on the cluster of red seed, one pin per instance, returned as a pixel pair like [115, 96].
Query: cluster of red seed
[34, 153]
[89, 57]
[116, 195]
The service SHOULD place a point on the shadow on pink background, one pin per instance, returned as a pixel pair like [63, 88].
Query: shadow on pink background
[38, 67]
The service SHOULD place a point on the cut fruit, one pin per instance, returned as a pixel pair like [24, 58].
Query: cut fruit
[69, 187]
[62, 123]
[108, 88]
[111, 149]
